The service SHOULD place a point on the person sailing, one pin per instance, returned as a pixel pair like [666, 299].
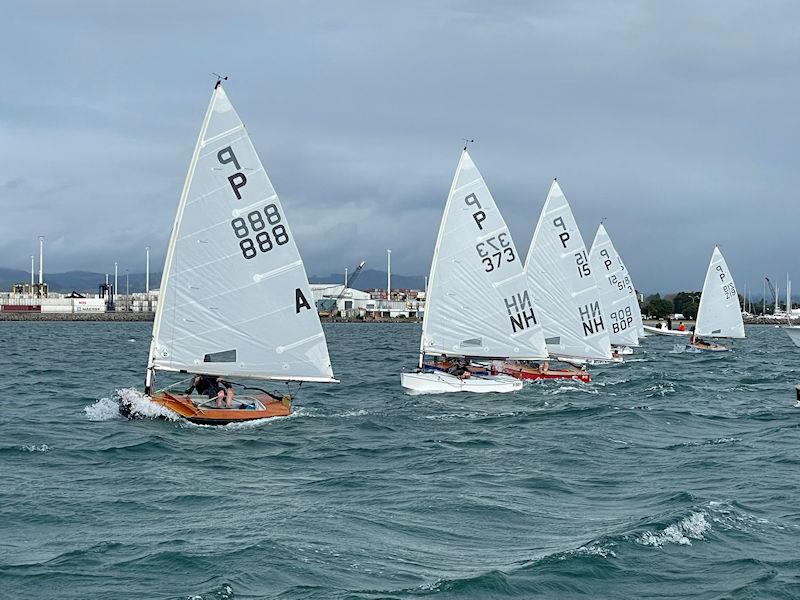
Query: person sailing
[699, 342]
[212, 386]
[460, 368]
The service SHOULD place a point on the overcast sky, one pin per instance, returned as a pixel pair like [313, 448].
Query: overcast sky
[675, 121]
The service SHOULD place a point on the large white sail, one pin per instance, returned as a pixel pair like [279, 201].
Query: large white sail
[234, 297]
[478, 301]
[617, 293]
[564, 289]
[719, 314]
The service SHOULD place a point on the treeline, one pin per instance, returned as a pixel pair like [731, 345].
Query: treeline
[685, 303]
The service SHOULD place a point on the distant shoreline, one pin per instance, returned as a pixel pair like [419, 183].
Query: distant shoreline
[130, 317]
[133, 317]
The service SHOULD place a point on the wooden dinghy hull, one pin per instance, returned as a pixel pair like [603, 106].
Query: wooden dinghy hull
[185, 407]
[708, 349]
[531, 374]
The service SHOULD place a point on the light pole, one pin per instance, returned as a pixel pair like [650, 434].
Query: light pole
[147, 272]
[127, 292]
[116, 278]
[41, 259]
[388, 274]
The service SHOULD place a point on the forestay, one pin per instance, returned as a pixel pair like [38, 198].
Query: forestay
[478, 302]
[719, 314]
[617, 294]
[235, 299]
[564, 289]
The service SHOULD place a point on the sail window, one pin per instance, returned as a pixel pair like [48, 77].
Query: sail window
[224, 356]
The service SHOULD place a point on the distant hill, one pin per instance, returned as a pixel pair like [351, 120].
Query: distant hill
[79, 281]
[87, 281]
[371, 278]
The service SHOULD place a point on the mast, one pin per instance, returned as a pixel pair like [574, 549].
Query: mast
[163, 288]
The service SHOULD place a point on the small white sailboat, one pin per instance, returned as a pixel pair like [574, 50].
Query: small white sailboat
[478, 304]
[719, 314]
[565, 291]
[617, 293]
[234, 298]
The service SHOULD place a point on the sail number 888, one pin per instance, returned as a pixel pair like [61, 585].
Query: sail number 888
[258, 225]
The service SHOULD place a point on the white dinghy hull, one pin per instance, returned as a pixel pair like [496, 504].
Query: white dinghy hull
[793, 331]
[650, 330]
[442, 383]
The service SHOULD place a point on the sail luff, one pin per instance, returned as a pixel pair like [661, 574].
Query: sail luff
[435, 260]
[163, 286]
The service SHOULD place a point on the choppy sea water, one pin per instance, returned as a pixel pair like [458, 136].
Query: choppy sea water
[673, 476]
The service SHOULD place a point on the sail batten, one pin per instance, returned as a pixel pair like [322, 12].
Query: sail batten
[565, 292]
[719, 313]
[618, 298]
[478, 303]
[234, 284]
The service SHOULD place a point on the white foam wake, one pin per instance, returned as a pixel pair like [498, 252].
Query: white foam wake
[142, 407]
[35, 448]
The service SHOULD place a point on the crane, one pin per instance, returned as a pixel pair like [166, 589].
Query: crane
[329, 307]
[774, 293]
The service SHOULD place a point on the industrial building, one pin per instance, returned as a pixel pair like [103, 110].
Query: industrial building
[354, 303]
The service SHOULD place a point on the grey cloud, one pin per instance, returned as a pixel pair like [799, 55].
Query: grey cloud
[674, 121]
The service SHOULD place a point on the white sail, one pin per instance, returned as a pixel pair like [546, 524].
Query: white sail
[617, 293]
[564, 289]
[234, 297]
[478, 302]
[719, 314]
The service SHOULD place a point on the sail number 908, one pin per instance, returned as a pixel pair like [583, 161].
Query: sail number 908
[488, 258]
[263, 242]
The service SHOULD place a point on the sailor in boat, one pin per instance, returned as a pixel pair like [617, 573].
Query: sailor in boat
[460, 368]
[212, 386]
[699, 342]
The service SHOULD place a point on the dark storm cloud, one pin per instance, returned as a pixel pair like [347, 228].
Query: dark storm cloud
[674, 121]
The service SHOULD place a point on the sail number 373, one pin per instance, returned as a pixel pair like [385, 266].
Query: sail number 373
[262, 226]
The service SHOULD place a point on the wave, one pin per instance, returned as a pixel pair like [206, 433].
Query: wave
[683, 532]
